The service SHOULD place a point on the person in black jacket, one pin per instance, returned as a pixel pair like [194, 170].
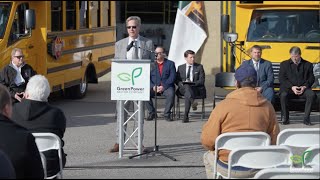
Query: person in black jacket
[37, 115]
[16, 75]
[296, 78]
[18, 143]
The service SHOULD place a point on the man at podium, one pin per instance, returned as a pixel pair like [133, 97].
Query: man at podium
[132, 47]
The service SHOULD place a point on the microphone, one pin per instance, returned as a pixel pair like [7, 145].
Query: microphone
[130, 46]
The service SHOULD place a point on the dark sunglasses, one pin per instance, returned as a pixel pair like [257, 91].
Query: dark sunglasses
[19, 57]
[129, 27]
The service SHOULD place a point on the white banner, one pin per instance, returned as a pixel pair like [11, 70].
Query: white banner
[130, 80]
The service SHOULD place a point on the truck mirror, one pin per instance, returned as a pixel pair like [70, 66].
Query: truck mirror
[30, 19]
[225, 23]
[230, 37]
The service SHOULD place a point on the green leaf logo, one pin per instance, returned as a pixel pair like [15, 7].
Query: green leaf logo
[136, 73]
[124, 76]
[296, 159]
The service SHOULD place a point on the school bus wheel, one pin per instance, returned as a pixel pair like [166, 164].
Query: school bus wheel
[77, 91]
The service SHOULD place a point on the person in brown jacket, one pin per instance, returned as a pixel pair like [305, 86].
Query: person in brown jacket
[243, 110]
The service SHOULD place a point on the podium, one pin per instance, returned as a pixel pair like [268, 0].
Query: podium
[130, 81]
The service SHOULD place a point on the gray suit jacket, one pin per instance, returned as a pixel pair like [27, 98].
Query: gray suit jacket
[121, 48]
[265, 73]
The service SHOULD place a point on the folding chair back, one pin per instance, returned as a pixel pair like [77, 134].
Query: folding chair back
[50, 141]
[44, 164]
[287, 173]
[311, 157]
[259, 157]
[232, 140]
[299, 137]
[222, 79]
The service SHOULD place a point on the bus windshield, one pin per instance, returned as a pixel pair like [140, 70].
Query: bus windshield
[4, 16]
[284, 26]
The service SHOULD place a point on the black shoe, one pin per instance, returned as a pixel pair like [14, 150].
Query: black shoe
[185, 119]
[167, 118]
[151, 117]
[285, 122]
[307, 122]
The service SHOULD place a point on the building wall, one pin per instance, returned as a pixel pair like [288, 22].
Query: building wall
[210, 53]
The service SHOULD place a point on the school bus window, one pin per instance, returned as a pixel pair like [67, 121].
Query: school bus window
[84, 14]
[18, 27]
[94, 5]
[71, 15]
[4, 16]
[56, 15]
[104, 13]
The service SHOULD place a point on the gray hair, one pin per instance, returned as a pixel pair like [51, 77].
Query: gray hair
[14, 50]
[136, 18]
[295, 50]
[38, 88]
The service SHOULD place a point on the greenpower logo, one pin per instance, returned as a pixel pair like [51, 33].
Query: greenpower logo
[134, 74]
[297, 159]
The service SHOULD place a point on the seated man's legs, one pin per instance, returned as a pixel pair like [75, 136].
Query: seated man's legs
[284, 107]
[208, 159]
[310, 96]
[188, 99]
[268, 94]
[169, 94]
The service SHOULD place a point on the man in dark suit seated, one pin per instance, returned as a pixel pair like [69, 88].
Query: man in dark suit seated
[296, 78]
[264, 73]
[162, 77]
[190, 80]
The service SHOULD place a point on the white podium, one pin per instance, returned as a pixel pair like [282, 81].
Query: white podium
[130, 81]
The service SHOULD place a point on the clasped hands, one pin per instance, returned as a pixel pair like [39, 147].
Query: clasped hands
[19, 96]
[158, 89]
[298, 90]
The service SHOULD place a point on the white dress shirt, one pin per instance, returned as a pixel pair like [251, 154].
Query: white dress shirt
[18, 80]
[136, 43]
[191, 70]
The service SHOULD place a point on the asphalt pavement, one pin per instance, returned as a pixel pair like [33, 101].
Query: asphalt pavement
[91, 132]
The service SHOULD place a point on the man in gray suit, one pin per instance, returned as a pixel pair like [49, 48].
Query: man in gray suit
[132, 47]
[264, 73]
[190, 80]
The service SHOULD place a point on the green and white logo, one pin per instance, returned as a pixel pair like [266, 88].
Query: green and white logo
[134, 74]
[297, 159]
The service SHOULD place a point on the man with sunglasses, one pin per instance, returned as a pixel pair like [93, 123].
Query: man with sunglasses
[132, 47]
[16, 75]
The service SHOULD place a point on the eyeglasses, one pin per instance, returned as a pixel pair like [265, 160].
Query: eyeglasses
[19, 57]
[129, 27]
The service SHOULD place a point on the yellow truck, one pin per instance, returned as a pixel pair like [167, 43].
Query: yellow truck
[276, 26]
[69, 42]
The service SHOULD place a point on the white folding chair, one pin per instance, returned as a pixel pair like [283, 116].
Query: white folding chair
[49, 141]
[233, 140]
[259, 157]
[44, 164]
[287, 173]
[299, 137]
[311, 156]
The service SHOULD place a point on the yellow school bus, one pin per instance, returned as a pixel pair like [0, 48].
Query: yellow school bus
[69, 42]
[276, 26]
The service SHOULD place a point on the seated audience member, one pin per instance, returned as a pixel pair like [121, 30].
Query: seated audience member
[190, 72]
[37, 115]
[6, 167]
[243, 110]
[15, 75]
[18, 143]
[264, 73]
[162, 81]
[296, 78]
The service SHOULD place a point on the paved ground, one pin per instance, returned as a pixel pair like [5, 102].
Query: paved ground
[91, 132]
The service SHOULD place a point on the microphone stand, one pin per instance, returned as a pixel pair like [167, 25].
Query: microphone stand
[156, 147]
